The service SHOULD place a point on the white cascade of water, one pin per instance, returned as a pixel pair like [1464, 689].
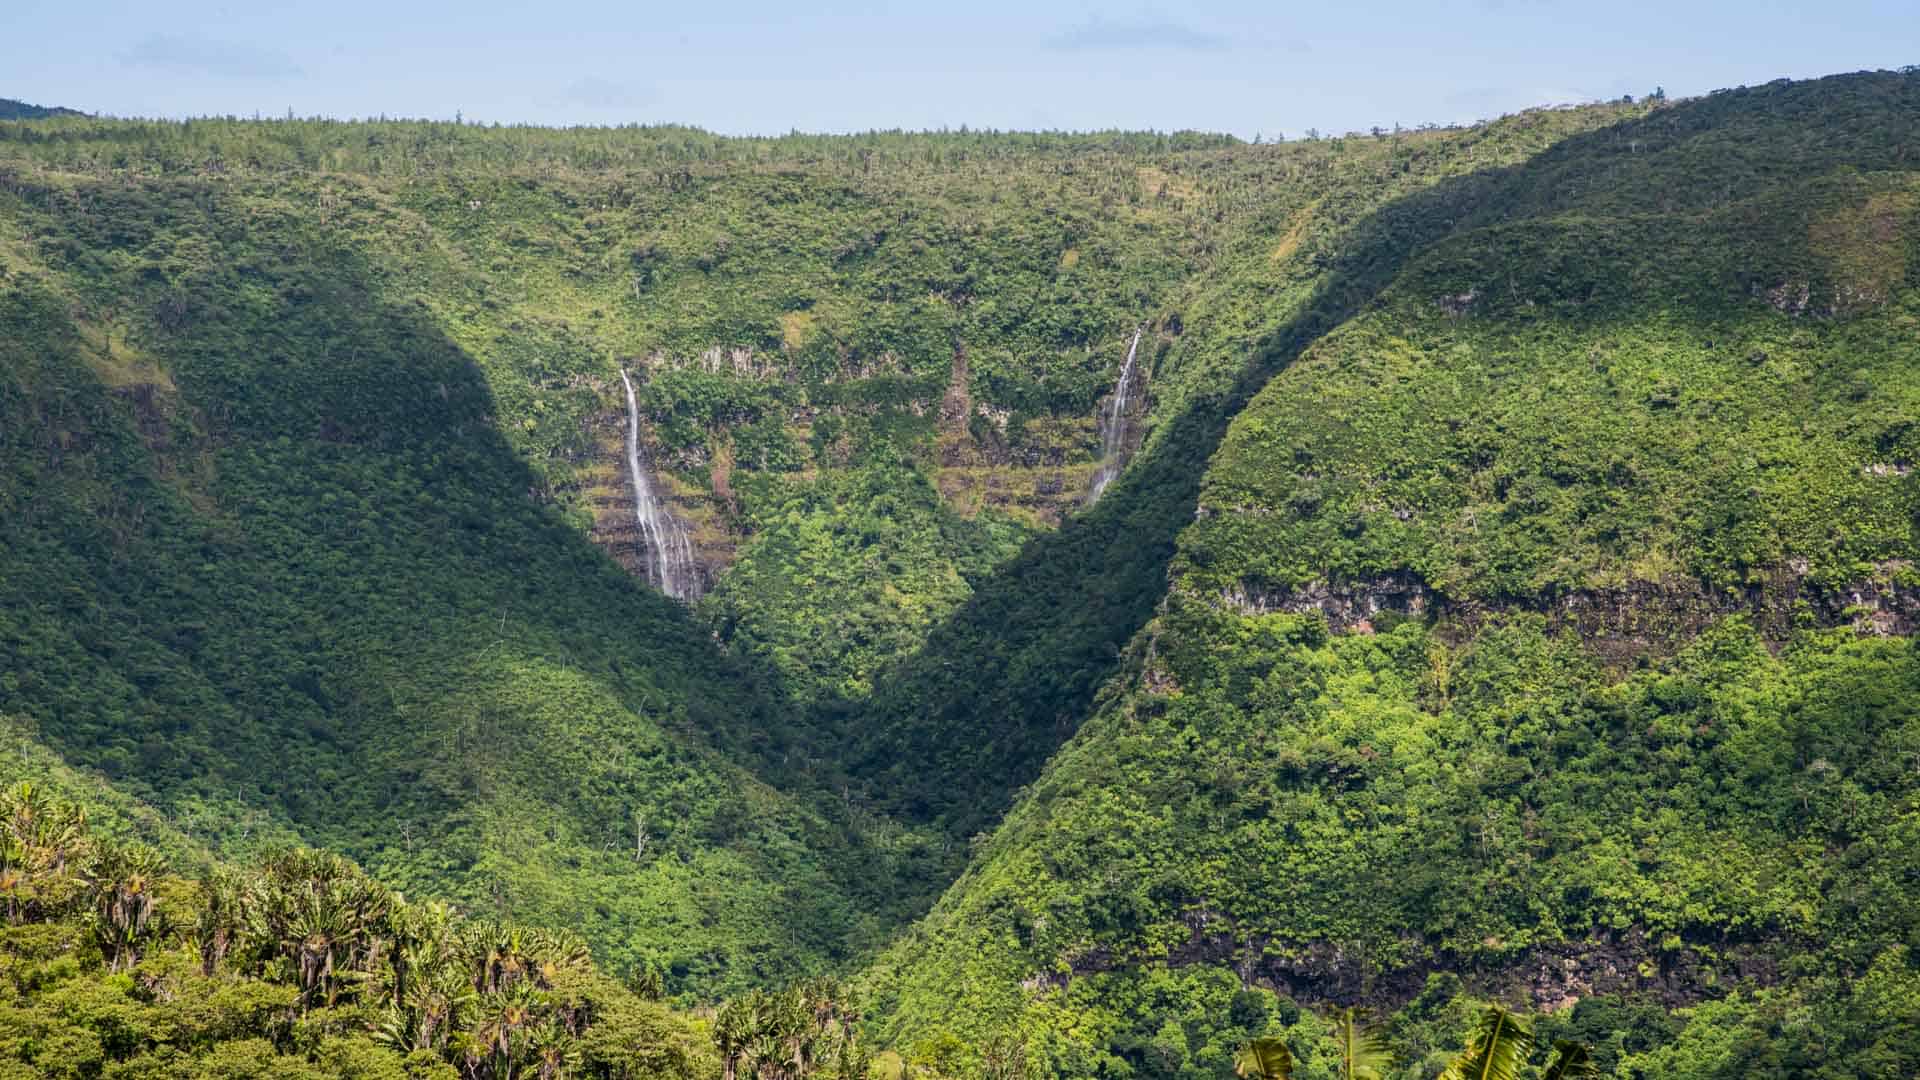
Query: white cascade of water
[670, 565]
[1116, 424]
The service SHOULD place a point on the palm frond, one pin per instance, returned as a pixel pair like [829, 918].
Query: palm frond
[1363, 1046]
[1495, 1050]
[1571, 1061]
[1264, 1059]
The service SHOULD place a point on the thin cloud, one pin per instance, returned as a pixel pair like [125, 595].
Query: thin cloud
[1152, 33]
[597, 93]
[231, 59]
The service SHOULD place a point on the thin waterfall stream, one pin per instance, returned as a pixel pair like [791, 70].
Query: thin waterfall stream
[1116, 424]
[670, 565]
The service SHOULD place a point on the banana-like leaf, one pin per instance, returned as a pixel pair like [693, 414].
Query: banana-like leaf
[1264, 1059]
[1495, 1050]
[1571, 1061]
[1363, 1047]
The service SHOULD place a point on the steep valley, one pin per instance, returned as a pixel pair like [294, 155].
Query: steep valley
[1104, 598]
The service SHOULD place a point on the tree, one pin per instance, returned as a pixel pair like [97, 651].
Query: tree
[1499, 1044]
[804, 1030]
[1571, 1061]
[124, 910]
[1363, 1046]
[41, 839]
[734, 1028]
[1496, 1048]
[1264, 1059]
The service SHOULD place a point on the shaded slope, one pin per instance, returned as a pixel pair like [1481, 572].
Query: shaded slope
[269, 559]
[975, 713]
[803, 317]
[1495, 649]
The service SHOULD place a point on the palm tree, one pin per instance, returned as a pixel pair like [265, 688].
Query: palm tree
[553, 952]
[552, 1051]
[503, 953]
[1264, 1059]
[504, 1018]
[320, 933]
[1363, 1046]
[222, 918]
[734, 1029]
[1496, 1048]
[438, 998]
[121, 881]
[1499, 1044]
[805, 1030]
[1571, 1061]
[423, 946]
[40, 837]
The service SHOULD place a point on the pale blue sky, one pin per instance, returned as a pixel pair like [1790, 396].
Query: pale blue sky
[843, 65]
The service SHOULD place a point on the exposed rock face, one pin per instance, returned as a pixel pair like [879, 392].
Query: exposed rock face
[1036, 470]
[616, 527]
[1642, 618]
[1550, 976]
[1347, 605]
[1459, 304]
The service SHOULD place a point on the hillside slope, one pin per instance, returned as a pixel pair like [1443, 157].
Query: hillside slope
[11, 109]
[1542, 631]
[310, 422]
[271, 569]
[1509, 591]
[311, 425]
[959, 725]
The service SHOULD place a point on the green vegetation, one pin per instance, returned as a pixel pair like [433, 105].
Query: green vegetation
[302, 966]
[270, 593]
[20, 110]
[1505, 623]
[1520, 627]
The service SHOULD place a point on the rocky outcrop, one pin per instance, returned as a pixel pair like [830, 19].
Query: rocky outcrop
[1637, 619]
[608, 492]
[1551, 977]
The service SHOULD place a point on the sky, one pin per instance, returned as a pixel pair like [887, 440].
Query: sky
[1271, 69]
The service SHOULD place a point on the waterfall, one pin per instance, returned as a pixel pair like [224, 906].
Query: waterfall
[1116, 424]
[670, 564]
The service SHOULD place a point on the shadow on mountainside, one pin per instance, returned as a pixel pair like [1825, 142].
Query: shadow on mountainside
[313, 587]
[955, 730]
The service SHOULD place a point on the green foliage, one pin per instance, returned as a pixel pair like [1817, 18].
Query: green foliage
[303, 423]
[1570, 1061]
[1496, 1048]
[1317, 233]
[302, 966]
[1546, 628]
[1265, 1059]
[1362, 1046]
[809, 1029]
[849, 573]
[1514, 580]
[223, 568]
[20, 110]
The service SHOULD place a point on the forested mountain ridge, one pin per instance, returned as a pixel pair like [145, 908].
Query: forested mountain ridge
[309, 423]
[1541, 631]
[20, 110]
[275, 571]
[1483, 480]
[801, 317]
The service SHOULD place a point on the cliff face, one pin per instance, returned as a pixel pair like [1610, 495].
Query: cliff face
[1627, 623]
